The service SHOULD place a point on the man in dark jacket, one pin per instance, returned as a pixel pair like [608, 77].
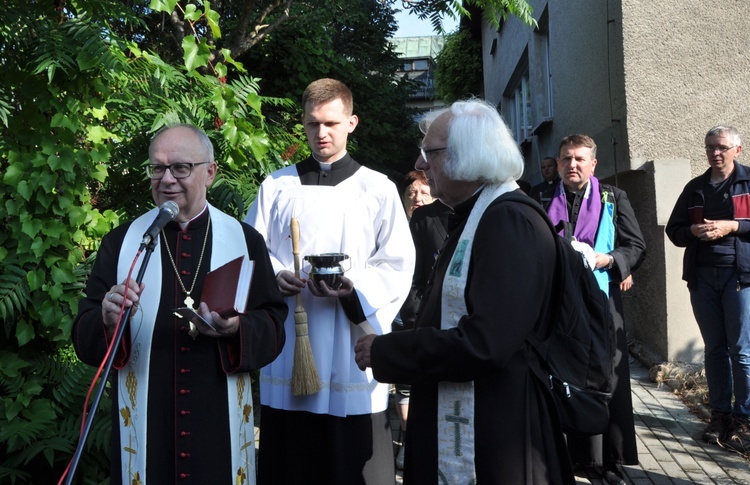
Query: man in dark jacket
[605, 228]
[544, 191]
[710, 220]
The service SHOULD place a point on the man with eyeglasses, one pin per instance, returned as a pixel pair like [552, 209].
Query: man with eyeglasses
[477, 412]
[182, 399]
[711, 220]
[341, 433]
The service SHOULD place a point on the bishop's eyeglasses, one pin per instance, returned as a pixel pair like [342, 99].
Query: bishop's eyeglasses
[178, 170]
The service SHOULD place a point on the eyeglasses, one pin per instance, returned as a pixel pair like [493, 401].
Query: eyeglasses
[424, 151]
[178, 170]
[720, 148]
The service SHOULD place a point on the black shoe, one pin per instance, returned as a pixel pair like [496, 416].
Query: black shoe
[400, 457]
[738, 437]
[614, 475]
[718, 428]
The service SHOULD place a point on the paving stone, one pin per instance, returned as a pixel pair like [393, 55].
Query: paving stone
[670, 449]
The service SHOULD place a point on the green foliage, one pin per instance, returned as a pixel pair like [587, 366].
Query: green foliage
[493, 10]
[345, 40]
[83, 86]
[459, 67]
[40, 413]
[78, 104]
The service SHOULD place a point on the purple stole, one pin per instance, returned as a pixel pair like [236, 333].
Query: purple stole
[588, 216]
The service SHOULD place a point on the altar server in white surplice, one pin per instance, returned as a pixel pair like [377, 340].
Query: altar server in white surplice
[340, 434]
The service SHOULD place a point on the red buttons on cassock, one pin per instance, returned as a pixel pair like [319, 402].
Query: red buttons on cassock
[184, 434]
[184, 455]
[185, 412]
[184, 371]
[184, 391]
[184, 475]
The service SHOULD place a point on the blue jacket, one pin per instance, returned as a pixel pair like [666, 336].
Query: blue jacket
[688, 210]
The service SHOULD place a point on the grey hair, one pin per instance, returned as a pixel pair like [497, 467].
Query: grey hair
[203, 139]
[727, 130]
[480, 145]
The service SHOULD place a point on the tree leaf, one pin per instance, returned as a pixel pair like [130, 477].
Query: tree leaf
[196, 53]
[14, 173]
[163, 5]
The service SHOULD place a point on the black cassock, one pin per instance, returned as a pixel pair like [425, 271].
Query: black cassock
[188, 435]
[508, 289]
[617, 445]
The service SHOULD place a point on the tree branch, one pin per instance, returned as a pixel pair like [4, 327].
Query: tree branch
[245, 40]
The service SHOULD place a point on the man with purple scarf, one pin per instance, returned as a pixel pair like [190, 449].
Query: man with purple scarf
[599, 220]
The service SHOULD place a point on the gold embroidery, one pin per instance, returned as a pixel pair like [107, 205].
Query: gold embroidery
[244, 412]
[241, 476]
[240, 388]
[125, 413]
[131, 384]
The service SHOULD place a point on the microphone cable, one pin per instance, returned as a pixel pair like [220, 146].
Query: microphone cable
[110, 347]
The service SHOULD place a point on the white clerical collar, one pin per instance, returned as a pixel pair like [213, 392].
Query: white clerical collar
[184, 225]
[328, 166]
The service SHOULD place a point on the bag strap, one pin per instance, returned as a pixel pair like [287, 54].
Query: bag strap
[542, 334]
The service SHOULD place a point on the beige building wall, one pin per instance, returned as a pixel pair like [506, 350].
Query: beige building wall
[646, 80]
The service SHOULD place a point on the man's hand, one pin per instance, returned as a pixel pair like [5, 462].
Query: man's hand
[322, 290]
[603, 260]
[713, 230]
[627, 283]
[362, 351]
[129, 292]
[224, 328]
[289, 284]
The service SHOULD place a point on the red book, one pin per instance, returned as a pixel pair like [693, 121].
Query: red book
[225, 289]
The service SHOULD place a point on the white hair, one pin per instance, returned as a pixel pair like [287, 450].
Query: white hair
[480, 145]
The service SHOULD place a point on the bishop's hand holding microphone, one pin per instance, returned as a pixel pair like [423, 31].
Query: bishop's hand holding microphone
[130, 292]
[162, 368]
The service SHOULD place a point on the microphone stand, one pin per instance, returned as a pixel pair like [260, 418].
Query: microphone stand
[108, 366]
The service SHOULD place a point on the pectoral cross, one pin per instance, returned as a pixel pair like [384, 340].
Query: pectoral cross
[193, 332]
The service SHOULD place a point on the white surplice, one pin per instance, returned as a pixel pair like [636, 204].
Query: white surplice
[362, 217]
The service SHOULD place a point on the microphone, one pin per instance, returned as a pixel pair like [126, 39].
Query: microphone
[167, 211]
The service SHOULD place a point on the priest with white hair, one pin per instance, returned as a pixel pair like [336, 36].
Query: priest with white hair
[477, 410]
